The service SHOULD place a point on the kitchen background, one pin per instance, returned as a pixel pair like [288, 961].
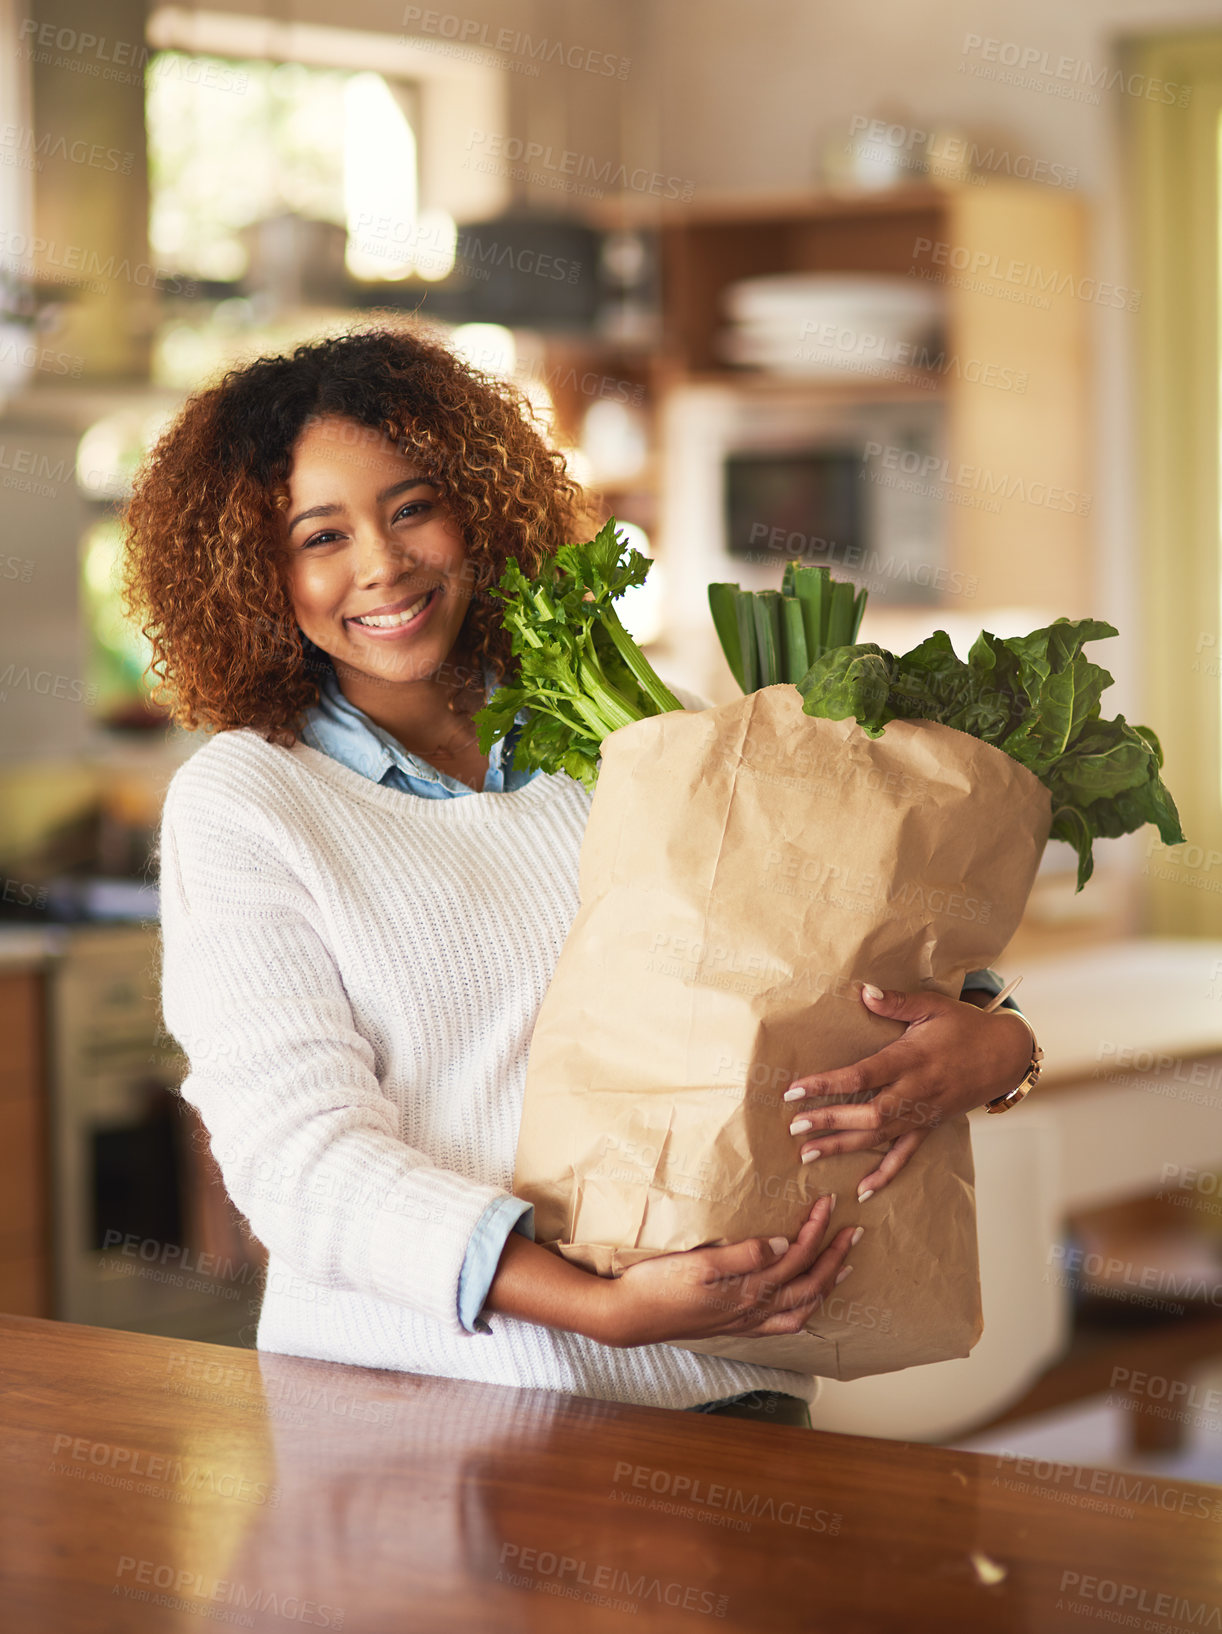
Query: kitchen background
[927, 294]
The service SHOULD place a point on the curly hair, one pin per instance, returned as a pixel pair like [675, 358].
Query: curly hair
[203, 562]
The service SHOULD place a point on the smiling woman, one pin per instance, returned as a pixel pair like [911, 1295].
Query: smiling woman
[380, 580]
[213, 569]
[361, 914]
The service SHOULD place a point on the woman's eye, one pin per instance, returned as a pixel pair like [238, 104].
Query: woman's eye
[412, 508]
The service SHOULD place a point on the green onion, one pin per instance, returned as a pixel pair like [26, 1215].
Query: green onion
[770, 636]
[794, 631]
[767, 608]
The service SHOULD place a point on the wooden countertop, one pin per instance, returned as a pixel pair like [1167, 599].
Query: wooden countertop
[150, 1482]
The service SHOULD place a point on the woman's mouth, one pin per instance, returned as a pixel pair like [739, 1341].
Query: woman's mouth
[383, 626]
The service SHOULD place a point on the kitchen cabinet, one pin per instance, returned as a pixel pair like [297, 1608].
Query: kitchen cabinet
[111, 1208]
[1132, 1035]
[1012, 262]
[25, 1205]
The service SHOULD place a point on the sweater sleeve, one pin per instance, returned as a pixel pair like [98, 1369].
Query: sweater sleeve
[309, 1147]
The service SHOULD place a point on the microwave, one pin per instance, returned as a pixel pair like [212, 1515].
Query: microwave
[755, 475]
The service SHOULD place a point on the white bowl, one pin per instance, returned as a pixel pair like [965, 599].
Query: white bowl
[834, 295]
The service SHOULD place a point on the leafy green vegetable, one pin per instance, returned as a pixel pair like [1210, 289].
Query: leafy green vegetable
[1037, 698]
[769, 638]
[580, 675]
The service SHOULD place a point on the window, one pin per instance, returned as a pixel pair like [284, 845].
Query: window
[236, 146]
[290, 165]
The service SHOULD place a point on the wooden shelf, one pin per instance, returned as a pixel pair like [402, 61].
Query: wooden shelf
[1010, 260]
[917, 386]
[1015, 343]
[733, 208]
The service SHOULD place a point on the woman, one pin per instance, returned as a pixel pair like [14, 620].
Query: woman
[361, 913]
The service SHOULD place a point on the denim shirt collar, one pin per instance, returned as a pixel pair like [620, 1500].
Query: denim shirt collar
[336, 727]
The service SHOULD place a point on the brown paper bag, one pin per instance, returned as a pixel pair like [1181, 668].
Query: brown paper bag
[744, 869]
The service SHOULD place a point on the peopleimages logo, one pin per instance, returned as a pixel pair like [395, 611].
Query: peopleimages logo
[1026, 276]
[573, 1578]
[469, 32]
[1010, 62]
[1133, 1597]
[121, 62]
[34, 150]
[570, 171]
[942, 150]
[45, 684]
[469, 252]
[77, 262]
[198, 1592]
[700, 1494]
[938, 472]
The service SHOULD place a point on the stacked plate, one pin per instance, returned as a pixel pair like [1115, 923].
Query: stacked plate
[832, 324]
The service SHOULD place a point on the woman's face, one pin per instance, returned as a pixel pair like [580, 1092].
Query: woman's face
[367, 538]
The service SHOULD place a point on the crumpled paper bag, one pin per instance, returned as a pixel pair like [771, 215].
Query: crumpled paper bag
[745, 868]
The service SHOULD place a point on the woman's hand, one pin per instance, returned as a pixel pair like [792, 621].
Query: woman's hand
[951, 1058]
[758, 1287]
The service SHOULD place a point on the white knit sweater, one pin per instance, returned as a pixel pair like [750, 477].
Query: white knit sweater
[353, 974]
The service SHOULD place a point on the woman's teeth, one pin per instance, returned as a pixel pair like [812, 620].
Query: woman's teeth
[390, 621]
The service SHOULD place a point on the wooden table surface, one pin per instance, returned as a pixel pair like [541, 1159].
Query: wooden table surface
[149, 1483]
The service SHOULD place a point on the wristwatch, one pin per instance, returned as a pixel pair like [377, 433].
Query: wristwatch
[1003, 1103]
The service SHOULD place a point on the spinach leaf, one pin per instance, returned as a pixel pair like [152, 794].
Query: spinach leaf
[851, 681]
[1035, 697]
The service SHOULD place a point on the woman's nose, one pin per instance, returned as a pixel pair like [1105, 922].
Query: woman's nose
[381, 555]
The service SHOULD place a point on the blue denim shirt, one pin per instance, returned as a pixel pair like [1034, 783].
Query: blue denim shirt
[336, 727]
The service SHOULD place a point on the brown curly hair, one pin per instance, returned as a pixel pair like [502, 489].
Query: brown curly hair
[203, 550]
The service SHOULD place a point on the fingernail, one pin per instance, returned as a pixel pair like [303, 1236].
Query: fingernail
[799, 1126]
[778, 1244]
[832, 1200]
[844, 1271]
[862, 1195]
[809, 1157]
[870, 991]
[795, 1093]
[857, 1236]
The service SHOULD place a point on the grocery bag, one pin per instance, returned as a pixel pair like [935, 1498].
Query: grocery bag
[745, 869]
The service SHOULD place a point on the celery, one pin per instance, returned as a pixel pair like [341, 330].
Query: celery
[580, 676]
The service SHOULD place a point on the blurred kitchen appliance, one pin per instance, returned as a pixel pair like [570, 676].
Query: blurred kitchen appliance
[144, 1238]
[526, 270]
[758, 473]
